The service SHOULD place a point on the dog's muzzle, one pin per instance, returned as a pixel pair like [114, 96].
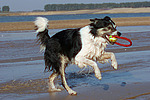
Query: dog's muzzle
[118, 33]
[106, 36]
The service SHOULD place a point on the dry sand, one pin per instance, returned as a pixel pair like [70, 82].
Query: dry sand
[60, 24]
[51, 12]
[136, 21]
[125, 10]
[87, 11]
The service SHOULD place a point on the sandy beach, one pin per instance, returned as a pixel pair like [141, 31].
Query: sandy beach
[134, 21]
[131, 21]
[22, 74]
[86, 11]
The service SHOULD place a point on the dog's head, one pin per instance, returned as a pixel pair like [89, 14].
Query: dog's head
[104, 28]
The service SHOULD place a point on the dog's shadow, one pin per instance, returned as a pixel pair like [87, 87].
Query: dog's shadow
[85, 79]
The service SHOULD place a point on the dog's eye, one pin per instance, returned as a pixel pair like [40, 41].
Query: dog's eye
[105, 29]
[109, 28]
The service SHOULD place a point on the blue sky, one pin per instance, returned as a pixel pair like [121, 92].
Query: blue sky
[30, 5]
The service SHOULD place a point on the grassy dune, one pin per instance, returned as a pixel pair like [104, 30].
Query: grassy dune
[59, 24]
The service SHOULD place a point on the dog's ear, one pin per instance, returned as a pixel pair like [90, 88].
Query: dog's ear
[94, 20]
[107, 18]
[91, 20]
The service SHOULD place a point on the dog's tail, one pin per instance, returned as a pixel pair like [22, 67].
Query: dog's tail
[50, 46]
[41, 25]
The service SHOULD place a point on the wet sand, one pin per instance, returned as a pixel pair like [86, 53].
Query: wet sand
[105, 92]
[61, 24]
[22, 70]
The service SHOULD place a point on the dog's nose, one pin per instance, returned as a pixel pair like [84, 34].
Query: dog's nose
[118, 33]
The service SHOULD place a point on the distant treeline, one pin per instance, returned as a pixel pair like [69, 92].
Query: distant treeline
[5, 9]
[69, 7]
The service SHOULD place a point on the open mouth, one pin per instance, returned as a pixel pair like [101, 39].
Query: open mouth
[110, 39]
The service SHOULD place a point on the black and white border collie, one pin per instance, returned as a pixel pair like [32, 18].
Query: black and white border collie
[81, 46]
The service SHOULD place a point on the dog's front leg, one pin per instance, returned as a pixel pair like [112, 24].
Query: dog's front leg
[95, 67]
[82, 62]
[111, 56]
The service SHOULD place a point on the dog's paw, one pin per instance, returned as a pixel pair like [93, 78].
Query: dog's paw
[54, 90]
[71, 92]
[98, 76]
[115, 65]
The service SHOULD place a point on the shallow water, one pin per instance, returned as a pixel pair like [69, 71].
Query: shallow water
[22, 67]
[69, 17]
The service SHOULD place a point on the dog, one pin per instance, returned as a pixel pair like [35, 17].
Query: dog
[81, 46]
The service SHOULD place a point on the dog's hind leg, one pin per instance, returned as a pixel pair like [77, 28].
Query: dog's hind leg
[51, 82]
[62, 72]
[64, 82]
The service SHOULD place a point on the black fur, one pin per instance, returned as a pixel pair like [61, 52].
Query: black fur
[99, 23]
[43, 37]
[66, 42]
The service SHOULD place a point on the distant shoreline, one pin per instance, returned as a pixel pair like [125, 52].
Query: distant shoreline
[61, 24]
[94, 11]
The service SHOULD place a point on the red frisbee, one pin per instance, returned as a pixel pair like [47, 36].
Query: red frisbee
[124, 38]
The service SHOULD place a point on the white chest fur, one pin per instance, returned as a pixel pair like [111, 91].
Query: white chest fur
[92, 47]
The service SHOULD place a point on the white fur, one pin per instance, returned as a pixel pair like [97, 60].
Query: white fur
[92, 47]
[114, 33]
[42, 48]
[113, 24]
[41, 23]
